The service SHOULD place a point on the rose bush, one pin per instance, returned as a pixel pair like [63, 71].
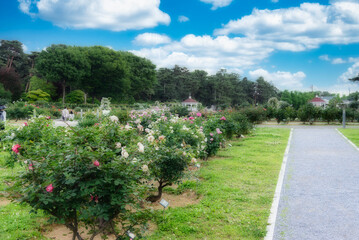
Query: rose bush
[80, 174]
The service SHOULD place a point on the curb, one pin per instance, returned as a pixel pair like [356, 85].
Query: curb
[274, 209]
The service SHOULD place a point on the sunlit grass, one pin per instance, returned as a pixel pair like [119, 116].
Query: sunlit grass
[237, 188]
[351, 134]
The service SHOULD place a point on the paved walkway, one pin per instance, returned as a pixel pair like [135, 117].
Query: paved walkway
[320, 192]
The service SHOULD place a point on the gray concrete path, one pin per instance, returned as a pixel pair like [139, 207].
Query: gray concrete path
[320, 192]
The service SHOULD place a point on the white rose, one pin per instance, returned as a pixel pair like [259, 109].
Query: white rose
[114, 119]
[145, 168]
[141, 148]
[147, 130]
[193, 160]
[124, 153]
[128, 127]
[151, 138]
[118, 145]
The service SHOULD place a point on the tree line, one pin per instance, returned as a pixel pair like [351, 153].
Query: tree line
[73, 74]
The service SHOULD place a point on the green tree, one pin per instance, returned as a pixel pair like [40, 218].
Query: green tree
[64, 65]
[38, 83]
[38, 95]
[142, 75]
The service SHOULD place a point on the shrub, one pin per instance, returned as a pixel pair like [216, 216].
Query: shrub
[182, 111]
[254, 115]
[88, 120]
[38, 95]
[81, 175]
[19, 110]
[123, 115]
[76, 96]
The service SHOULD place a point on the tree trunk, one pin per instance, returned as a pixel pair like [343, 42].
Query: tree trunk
[63, 91]
[85, 96]
[154, 198]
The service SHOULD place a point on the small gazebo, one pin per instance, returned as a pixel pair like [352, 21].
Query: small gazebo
[191, 104]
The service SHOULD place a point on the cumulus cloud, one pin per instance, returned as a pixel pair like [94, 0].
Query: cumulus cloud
[208, 53]
[282, 80]
[335, 60]
[351, 72]
[217, 3]
[304, 27]
[114, 15]
[275, 1]
[183, 19]
[151, 39]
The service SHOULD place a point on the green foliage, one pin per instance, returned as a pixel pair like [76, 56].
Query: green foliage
[38, 83]
[19, 110]
[182, 111]
[254, 115]
[38, 95]
[309, 113]
[4, 94]
[331, 114]
[76, 96]
[123, 115]
[88, 120]
[79, 175]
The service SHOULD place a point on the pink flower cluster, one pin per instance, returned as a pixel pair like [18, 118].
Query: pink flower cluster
[49, 188]
[218, 131]
[223, 118]
[96, 163]
[15, 148]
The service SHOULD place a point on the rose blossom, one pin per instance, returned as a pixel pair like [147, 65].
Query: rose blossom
[223, 118]
[199, 114]
[191, 118]
[49, 188]
[96, 163]
[141, 148]
[15, 148]
[124, 153]
[144, 168]
[31, 166]
[211, 139]
[114, 119]
[161, 137]
[211, 134]
[151, 138]
[118, 145]
[218, 131]
[193, 160]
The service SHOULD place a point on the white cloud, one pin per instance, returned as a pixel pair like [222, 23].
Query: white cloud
[304, 27]
[151, 39]
[282, 80]
[208, 53]
[25, 48]
[275, 1]
[114, 15]
[183, 19]
[217, 3]
[351, 72]
[338, 61]
[324, 58]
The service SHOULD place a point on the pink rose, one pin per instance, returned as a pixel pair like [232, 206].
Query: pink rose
[191, 122]
[96, 163]
[31, 166]
[211, 139]
[49, 188]
[25, 124]
[211, 134]
[15, 148]
[191, 118]
[48, 117]
[223, 118]
[218, 131]
[199, 114]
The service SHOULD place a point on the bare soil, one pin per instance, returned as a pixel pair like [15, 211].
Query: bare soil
[60, 232]
[4, 201]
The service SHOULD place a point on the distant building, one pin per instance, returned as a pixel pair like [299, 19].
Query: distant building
[191, 104]
[318, 102]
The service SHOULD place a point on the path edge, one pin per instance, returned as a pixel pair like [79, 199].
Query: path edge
[350, 142]
[274, 209]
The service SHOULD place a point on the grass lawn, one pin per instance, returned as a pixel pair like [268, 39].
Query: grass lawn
[351, 134]
[237, 188]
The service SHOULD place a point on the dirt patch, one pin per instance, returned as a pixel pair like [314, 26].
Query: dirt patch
[185, 199]
[4, 201]
[60, 232]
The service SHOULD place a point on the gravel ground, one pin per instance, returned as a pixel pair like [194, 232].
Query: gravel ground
[60, 123]
[320, 193]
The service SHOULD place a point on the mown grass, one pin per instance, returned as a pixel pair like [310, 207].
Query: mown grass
[17, 222]
[351, 134]
[237, 188]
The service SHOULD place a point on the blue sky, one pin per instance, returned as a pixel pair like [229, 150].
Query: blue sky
[292, 43]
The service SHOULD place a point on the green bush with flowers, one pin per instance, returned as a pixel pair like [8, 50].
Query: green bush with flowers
[88, 175]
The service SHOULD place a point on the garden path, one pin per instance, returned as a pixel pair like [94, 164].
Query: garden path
[320, 192]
